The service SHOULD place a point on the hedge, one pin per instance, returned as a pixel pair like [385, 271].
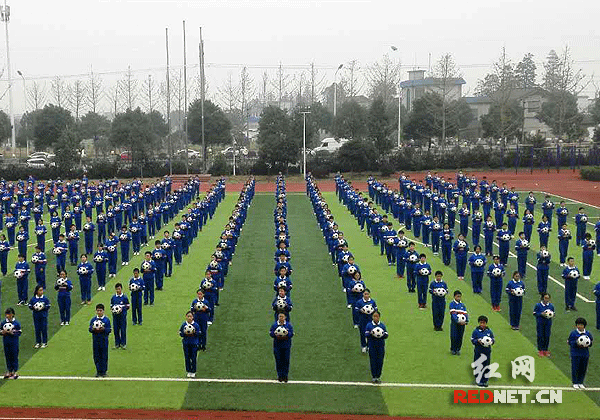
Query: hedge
[590, 173]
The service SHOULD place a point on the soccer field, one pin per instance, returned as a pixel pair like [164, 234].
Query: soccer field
[325, 349]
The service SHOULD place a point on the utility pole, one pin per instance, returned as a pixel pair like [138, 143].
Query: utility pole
[5, 16]
[304, 141]
[169, 105]
[202, 88]
[185, 104]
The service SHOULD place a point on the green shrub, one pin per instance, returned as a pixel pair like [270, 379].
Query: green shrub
[590, 173]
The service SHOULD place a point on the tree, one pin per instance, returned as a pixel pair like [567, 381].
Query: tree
[525, 72]
[446, 71]
[216, 125]
[158, 124]
[50, 124]
[229, 94]
[383, 78]
[276, 147]
[350, 121]
[36, 95]
[25, 129]
[350, 78]
[59, 92]
[132, 130]
[595, 110]
[357, 155]
[128, 89]
[93, 125]
[66, 150]
[503, 120]
[596, 135]
[150, 94]
[318, 119]
[378, 126]
[76, 97]
[316, 81]
[561, 114]
[5, 128]
[94, 89]
[281, 83]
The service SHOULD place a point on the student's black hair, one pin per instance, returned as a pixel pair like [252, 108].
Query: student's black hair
[581, 208]
[477, 247]
[188, 312]
[9, 311]
[367, 290]
[504, 224]
[390, 224]
[495, 256]
[166, 231]
[157, 242]
[482, 318]
[400, 232]
[521, 233]
[21, 255]
[62, 235]
[83, 255]
[588, 235]
[100, 306]
[377, 312]
[200, 290]
[136, 270]
[38, 247]
[147, 253]
[411, 243]
[439, 273]
[570, 258]
[38, 287]
[118, 285]
[422, 255]
[281, 288]
[457, 292]
[581, 321]
[515, 272]
[543, 294]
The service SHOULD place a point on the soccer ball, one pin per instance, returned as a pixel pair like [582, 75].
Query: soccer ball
[574, 274]
[413, 258]
[592, 242]
[518, 291]
[376, 220]
[440, 291]
[20, 238]
[424, 271]
[545, 229]
[38, 306]
[548, 314]
[87, 226]
[390, 241]
[219, 254]
[524, 243]
[116, 309]
[462, 244]
[134, 287]
[281, 331]
[427, 222]
[478, 262]
[57, 250]
[112, 248]
[489, 223]
[461, 319]
[367, 309]
[97, 325]
[358, 288]
[334, 236]
[61, 282]
[486, 341]
[213, 264]
[146, 265]
[133, 229]
[584, 341]
[442, 205]
[377, 332]
[157, 256]
[21, 218]
[188, 329]
[402, 243]
[506, 237]
[82, 270]
[496, 272]
[35, 259]
[165, 245]
[98, 258]
[583, 219]
[544, 253]
[19, 273]
[176, 235]
[2, 248]
[123, 237]
[351, 269]
[8, 327]
[71, 235]
[281, 303]
[207, 284]
[282, 283]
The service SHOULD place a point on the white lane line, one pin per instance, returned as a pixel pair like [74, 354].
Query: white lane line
[273, 381]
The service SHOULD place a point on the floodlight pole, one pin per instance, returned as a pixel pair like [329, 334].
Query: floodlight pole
[5, 16]
[304, 141]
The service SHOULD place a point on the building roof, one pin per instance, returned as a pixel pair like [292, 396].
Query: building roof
[430, 81]
[477, 100]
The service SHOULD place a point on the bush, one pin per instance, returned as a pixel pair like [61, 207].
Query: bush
[590, 173]
[220, 166]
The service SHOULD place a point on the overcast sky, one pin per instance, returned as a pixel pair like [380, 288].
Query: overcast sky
[67, 37]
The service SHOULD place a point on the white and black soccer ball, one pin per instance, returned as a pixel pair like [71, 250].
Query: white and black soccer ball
[402, 243]
[188, 329]
[390, 241]
[134, 287]
[57, 250]
[98, 258]
[584, 341]
[207, 284]
[82, 270]
[574, 274]
[97, 325]
[352, 269]
[281, 303]
[87, 226]
[518, 291]
[61, 282]
[2, 247]
[424, 271]
[282, 283]
[440, 291]
[592, 242]
[489, 224]
[116, 309]
[487, 341]
[377, 332]
[20, 238]
[19, 273]
[146, 265]
[461, 319]
[157, 255]
[478, 262]
[213, 264]
[8, 327]
[334, 236]
[358, 288]
[545, 229]
[367, 309]
[165, 245]
[38, 306]
[55, 225]
[219, 254]
[35, 259]
[123, 237]
[462, 244]
[506, 237]
[176, 235]
[583, 219]
[544, 253]
[524, 243]
[443, 205]
[548, 313]
[427, 222]
[496, 272]
[112, 248]
[413, 258]
[281, 331]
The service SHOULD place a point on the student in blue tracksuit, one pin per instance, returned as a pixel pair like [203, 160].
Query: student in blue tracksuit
[571, 276]
[22, 238]
[136, 286]
[564, 236]
[488, 234]
[209, 285]
[101, 259]
[548, 208]
[60, 250]
[522, 248]
[581, 220]
[400, 245]
[512, 216]
[85, 271]
[562, 213]
[499, 210]
[464, 215]
[63, 298]
[422, 272]
[458, 319]
[40, 233]
[589, 248]
[100, 329]
[282, 344]
[515, 289]
[477, 263]
[111, 248]
[544, 228]
[365, 308]
[159, 256]
[543, 312]
[40, 305]
[119, 304]
[426, 228]
[495, 273]
[447, 237]
[10, 340]
[580, 353]
[543, 267]
[88, 236]
[39, 261]
[22, 274]
[148, 268]
[503, 237]
[376, 334]
[10, 222]
[461, 249]
[4, 250]
[411, 257]
[282, 303]
[200, 307]
[481, 331]
[438, 289]
[476, 227]
[189, 331]
[73, 239]
[125, 241]
[436, 232]
[528, 221]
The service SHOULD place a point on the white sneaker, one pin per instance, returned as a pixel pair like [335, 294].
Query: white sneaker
[62, 323]
[355, 327]
[189, 375]
[43, 346]
[576, 386]
[586, 277]
[127, 263]
[66, 323]
[100, 288]
[349, 306]
[192, 375]
[581, 386]
[37, 346]
[364, 350]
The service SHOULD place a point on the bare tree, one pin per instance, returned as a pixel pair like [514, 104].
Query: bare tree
[446, 72]
[77, 97]
[150, 94]
[281, 83]
[560, 74]
[94, 89]
[36, 95]
[316, 83]
[299, 85]
[246, 91]
[229, 94]
[383, 78]
[128, 89]
[113, 96]
[350, 78]
[59, 92]
[265, 91]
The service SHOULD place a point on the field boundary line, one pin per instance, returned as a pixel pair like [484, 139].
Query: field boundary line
[297, 382]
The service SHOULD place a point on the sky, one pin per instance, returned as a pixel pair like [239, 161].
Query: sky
[69, 38]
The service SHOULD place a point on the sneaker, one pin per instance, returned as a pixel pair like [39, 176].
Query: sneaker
[43, 346]
[586, 277]
[458, 353]
[37, 346]
[62, 323]
[83, 302]
[349, 306]
[547, 353]
[541, 353]
[7, 375]
[364, 349]
[66, 323]
[123, 347]
[209, 323]
[189, 375]
[99, 288]
[16, 376]
[576, 386]
[581, 386]
[193, 375]
[355, 327]
[453, 353]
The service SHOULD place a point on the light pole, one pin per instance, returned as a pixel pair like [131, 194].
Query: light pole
[304, 141]
[399, 97]
[233, 137]
[24, 109]
[5, 16]
[335, 90]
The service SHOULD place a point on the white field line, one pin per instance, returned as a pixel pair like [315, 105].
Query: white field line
[272, 381]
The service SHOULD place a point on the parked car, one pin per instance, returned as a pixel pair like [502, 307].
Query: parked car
[192, 154]
[43, 155]
[229, 151]
[126, 155]
[39, 162]
[329, 144]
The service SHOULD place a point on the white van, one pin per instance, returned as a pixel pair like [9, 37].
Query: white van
[330, 145]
